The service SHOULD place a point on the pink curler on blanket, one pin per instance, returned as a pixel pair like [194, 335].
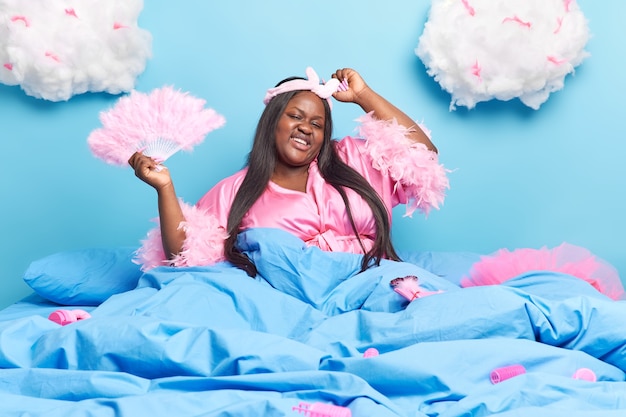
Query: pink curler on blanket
[322, 410]
[506, 372]
[370, 353]
[585, 374]
[64, 317]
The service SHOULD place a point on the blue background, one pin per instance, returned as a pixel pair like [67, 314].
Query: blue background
[523, 178]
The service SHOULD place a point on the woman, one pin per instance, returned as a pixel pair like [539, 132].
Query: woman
[336, 195]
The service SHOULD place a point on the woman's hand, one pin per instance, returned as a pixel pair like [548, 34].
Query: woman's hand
[352, 86]
[354, 90]
[149, 171]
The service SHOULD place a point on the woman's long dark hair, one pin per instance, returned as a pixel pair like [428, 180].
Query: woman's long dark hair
[261, 162]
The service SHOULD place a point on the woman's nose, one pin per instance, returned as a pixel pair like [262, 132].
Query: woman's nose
[305, 127]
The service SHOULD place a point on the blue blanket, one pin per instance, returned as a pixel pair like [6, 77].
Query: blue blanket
[214, 342]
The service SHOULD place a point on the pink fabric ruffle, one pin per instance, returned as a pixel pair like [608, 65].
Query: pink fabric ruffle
[565, 258]
[410, 164]
[203, 245]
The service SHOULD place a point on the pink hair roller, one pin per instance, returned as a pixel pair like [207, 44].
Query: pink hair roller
[64, 317]
[370, 353]
[322, 410]
[506, 372]
[585, 374]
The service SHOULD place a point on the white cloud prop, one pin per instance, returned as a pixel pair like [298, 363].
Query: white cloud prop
[55, 49]
[479, 50]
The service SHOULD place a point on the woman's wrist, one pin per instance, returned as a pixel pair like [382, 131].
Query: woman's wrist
[368, 99]
[166, 190]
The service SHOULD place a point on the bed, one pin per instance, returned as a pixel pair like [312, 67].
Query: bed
[311, 335]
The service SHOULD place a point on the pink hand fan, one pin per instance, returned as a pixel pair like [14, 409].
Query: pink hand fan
[409, 288]
[158, 124]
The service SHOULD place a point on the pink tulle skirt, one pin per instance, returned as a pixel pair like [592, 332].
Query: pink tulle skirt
[566, 258]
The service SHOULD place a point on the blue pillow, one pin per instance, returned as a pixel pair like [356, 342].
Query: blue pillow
[83, 277]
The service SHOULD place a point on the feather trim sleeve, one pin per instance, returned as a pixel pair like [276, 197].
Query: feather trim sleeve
[203, 245]
[410, 164]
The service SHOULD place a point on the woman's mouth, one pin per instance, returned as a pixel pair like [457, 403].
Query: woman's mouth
[301, 142]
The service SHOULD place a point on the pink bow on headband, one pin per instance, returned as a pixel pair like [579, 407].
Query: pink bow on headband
[324, 91]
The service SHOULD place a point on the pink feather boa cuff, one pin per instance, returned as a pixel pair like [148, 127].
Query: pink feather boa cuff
[412, 165]
[204, 244]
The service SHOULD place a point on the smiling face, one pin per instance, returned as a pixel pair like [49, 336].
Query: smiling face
[299, 133]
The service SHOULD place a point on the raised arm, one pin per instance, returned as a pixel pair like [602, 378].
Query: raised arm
[359, 92]
[170, 213]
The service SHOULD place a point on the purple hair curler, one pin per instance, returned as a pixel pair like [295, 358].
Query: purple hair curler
[506, 372]
[322, 410]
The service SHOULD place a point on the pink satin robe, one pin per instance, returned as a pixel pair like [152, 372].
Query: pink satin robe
[319, 216]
